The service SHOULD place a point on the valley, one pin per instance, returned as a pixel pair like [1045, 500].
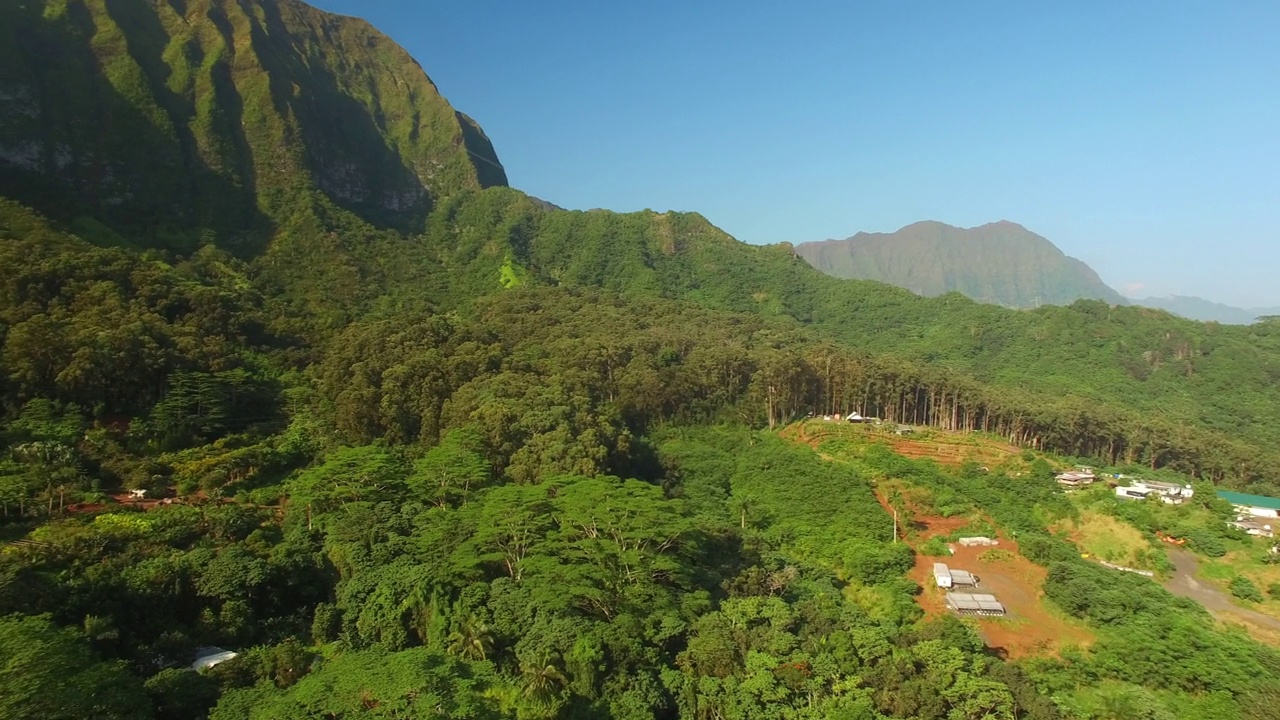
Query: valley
[293, 379]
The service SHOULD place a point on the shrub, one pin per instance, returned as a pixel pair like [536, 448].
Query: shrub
[1244, 589]
[1206, 543]
[935, 547]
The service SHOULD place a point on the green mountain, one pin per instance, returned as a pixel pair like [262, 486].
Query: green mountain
[431, 447]
[308, 253]
[1001, 263]
[171, 124]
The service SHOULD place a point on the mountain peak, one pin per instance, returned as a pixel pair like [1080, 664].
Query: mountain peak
[1000, 262]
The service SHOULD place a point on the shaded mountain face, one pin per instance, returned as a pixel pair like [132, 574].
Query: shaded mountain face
[168, 121]
[1194, 308]
[1001, 263]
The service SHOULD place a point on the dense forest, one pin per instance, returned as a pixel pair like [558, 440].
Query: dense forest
[415, 444]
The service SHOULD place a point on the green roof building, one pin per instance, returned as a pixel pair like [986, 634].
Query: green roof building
[1256, 505]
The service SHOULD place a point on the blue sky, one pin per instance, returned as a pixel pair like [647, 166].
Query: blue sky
[1142, 137]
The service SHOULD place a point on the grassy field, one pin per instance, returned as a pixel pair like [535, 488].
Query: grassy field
[1247, 562]
[1106, 538]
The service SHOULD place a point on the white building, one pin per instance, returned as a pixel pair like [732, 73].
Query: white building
[947, 578]
[207, 657]
[1169, 493]
[1252, 526]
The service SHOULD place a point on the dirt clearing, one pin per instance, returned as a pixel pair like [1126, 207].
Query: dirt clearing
[1030, 628]
[945, 447]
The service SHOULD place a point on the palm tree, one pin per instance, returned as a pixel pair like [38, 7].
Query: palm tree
[470, 638]
[542, 681]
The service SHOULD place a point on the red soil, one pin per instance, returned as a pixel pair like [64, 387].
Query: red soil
[942, 446]
[1029, 628]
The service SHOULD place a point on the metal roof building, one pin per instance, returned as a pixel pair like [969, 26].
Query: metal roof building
[970, 604]
[1255, 505]
[207, 657]
[945, 577]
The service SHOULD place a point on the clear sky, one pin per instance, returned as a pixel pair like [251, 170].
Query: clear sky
[1141, 136]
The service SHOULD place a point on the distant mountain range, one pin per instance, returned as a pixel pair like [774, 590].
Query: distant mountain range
[1001, 263]
[1194, 308]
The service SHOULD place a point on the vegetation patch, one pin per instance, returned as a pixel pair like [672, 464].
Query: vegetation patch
[1107, 538]
[997, 556]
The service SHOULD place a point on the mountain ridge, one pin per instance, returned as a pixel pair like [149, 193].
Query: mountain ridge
[472, 455]
[1203, 310]
[1001, 263]
[324, 263]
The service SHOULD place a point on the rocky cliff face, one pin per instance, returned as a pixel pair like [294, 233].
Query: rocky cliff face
[169, 120]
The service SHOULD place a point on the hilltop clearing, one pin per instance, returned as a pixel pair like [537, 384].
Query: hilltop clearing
[948, 447]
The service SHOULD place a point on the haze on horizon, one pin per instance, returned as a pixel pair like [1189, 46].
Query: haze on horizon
[1138, 137]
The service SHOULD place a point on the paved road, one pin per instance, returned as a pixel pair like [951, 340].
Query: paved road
[1184, 583]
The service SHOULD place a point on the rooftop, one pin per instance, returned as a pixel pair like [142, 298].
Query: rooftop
[207, 657]
[1262, 501]
[967, 601]
[1240, 523]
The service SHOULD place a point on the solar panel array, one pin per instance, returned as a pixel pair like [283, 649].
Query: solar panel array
[969, 602]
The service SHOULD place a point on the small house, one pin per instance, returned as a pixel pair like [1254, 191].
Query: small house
[947, 578]
[1075, 478]
[1252, 526]
[978, 541]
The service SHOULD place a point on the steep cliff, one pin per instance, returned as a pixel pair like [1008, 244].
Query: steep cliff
[173, 122]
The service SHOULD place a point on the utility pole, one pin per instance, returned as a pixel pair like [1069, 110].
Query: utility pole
[895, 526]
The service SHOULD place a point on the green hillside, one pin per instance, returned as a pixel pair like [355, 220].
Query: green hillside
[1000, 263]
[172, 124]
[415, 444]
